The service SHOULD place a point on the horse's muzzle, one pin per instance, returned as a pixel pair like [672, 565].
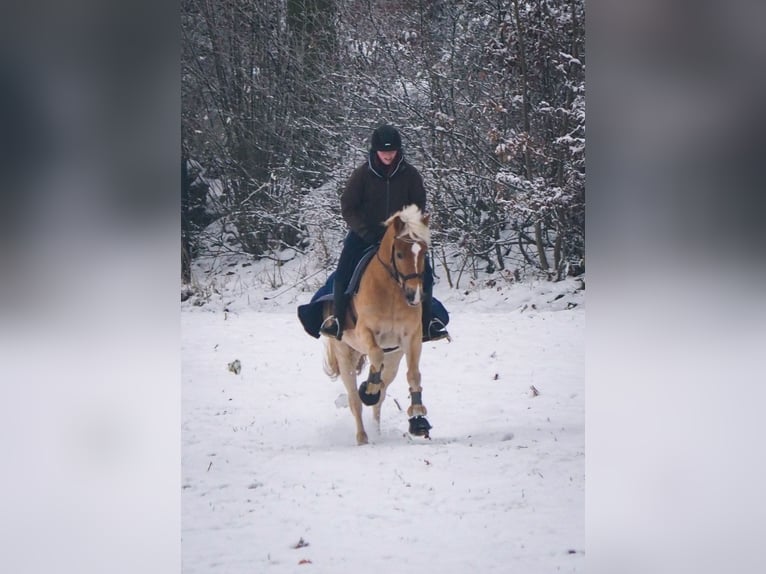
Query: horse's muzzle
[412, 296]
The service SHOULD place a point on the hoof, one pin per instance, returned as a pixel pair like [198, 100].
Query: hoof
[419, 426]
[368, 399]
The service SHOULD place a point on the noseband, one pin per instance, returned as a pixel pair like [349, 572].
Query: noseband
[393, 270]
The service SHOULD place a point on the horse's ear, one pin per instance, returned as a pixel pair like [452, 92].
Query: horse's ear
[426, 219]
[398, 224]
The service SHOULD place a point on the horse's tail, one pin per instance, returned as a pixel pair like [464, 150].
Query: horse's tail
[331, 367]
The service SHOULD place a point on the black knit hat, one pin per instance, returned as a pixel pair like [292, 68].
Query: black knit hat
[386, 138]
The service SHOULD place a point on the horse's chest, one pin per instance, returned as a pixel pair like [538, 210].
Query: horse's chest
[392, 335]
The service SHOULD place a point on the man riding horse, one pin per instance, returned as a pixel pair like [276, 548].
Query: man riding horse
[380, 187]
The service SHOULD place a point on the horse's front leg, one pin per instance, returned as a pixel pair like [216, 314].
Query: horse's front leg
[390, 369]
[419, 425]
[369, 391]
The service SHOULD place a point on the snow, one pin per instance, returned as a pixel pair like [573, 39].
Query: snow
[272, 478]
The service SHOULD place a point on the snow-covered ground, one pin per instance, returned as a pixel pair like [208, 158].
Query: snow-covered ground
[273, 479]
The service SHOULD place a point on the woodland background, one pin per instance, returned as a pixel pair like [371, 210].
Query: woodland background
[279, 98]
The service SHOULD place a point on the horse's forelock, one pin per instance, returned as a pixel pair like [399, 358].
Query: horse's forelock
[414, 226]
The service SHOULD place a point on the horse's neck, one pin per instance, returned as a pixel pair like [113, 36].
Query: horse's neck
[385, 247]
[377, 274]
[384, 254]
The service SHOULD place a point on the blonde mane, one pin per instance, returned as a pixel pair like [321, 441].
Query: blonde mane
[414, 226]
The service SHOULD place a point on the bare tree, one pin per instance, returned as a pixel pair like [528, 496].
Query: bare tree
[280, 97]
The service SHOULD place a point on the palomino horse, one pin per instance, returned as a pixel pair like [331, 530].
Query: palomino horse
[388, 326]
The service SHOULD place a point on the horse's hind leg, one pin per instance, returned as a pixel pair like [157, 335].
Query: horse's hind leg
[376, 409]
[390, 368]
[347, 361]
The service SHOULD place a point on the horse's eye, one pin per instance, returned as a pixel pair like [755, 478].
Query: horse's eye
[399, 255]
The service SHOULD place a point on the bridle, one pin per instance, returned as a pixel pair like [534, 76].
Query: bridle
[400, 278]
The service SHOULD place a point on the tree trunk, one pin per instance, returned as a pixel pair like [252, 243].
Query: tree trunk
[185, 231]
[540, 246]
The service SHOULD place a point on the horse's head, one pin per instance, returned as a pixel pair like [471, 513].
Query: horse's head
[409, 235]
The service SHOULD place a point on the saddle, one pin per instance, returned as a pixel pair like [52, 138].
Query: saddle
[353, 285]
[310, 314]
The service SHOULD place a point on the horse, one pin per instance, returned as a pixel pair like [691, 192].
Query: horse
[383, 323]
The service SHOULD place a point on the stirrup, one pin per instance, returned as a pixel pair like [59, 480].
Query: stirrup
[330, 327]
[436, 331]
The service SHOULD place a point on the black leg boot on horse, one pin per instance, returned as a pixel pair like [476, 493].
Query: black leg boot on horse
[366, 394]
[419, 425]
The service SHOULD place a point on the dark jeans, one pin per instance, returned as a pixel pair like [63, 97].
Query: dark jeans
[353, 249]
